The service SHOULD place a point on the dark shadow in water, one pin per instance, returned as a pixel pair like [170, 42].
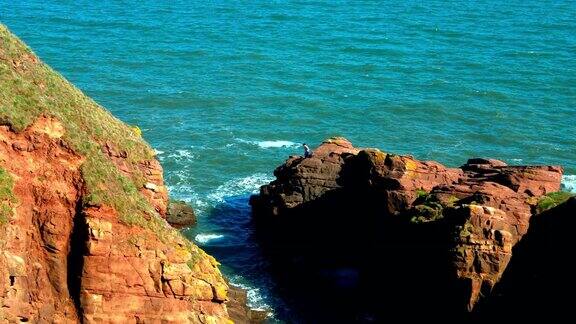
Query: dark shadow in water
[241, 255]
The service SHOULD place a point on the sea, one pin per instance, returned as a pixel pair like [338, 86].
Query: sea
[225, 91]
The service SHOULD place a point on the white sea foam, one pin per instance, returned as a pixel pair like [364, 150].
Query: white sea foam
[184, 191]
[158, 152]
[184, 154]
[569, 183]
[255, 298]
[240, 186]
[269, 144]
[275, 144]
[179, 155]
[205, 238]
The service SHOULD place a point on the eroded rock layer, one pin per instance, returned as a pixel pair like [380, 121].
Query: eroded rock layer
[63, 260]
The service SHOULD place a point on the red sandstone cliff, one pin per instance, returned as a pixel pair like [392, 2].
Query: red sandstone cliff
[438, 239]
[82, 201]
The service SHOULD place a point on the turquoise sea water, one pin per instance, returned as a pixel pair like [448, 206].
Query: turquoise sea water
[224, 90]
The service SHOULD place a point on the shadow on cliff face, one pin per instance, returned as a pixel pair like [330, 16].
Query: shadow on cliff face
[341, 258]
[376, 268]
[387, 268]
[540, 277]
[75, 260]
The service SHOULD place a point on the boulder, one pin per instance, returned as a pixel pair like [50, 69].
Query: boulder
[180, 214]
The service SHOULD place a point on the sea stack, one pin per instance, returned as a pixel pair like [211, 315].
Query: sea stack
[403, 234]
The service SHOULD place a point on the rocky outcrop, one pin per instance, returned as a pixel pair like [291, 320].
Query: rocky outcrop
[82, 204]
[460, 224]
[492, 204]
[303, 180]
[336, 164]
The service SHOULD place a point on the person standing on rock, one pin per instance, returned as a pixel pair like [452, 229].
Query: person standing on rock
[307, 152]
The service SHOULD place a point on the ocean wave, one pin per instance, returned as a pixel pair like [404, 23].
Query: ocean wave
[187, 193]
[569, 183]
[177, 155]
[255, 298]
[247, 185]
[182, 154]
[270, 144]
[205, 238]
[202, 202]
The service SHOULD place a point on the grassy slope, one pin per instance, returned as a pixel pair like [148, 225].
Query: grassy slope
[6, 196]
[29, 88]
[552, 200]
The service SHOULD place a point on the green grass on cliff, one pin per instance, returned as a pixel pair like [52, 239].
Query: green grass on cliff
[421, 193]
[552, 200]
[6, 196]
[30, 89]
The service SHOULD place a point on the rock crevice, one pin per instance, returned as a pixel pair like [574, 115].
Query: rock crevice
[75, 261]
